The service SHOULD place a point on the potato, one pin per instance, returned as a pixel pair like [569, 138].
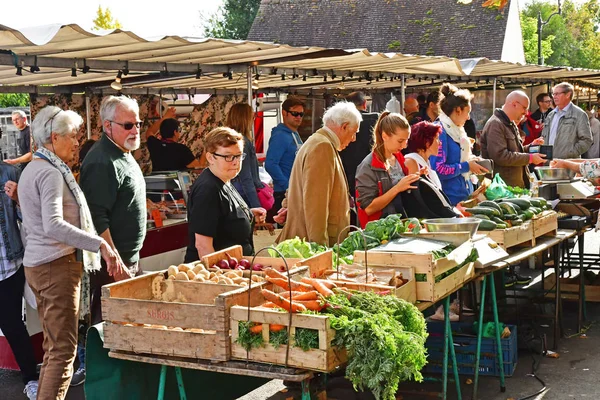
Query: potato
[256, 278]
[191, 274]
[238, 280]
[156, 286]
[199, 278]
[198, 267]
[183, 267]
[205, 274]
[181, 276]
[231, 274]
[172, 270]
[244, 283]
[171, 278]
[214, 279]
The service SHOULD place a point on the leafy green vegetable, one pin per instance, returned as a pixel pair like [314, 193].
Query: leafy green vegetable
[473, 256]
[246, 338]
[437, 254]
[388, 228]
[306, 339]
[385, 339]
[298, 248]
[278, 338]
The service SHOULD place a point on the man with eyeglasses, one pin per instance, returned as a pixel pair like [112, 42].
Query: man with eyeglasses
[567, 127]
[19, 120]
[502, 143]
[544, 102]
[114, 187]
[283, 146]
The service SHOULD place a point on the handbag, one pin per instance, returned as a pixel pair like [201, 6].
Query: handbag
[265, 196]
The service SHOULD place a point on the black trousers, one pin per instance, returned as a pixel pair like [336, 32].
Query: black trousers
[13, 327]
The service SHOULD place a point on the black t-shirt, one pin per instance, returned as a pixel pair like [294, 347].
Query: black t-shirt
[167, 155]
[216, 209]
[24, 143]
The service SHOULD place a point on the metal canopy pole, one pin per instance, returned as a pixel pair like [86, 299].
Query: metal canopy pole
[494, 95]
[249, 84]
[403, 95]
[88, 120]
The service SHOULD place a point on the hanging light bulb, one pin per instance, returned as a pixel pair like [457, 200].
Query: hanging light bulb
[116, 85]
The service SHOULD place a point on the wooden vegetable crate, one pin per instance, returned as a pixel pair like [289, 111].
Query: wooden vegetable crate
[236, 251]
[428, 290]
[569, 289]
[513, 236]
[545, 224]
[136, 321]
[325, 358]
[323, 262]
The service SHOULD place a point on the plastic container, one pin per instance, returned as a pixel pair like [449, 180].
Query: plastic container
[465, 348]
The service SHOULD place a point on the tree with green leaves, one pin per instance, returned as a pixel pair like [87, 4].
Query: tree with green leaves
[233, 20]
[104, 20]
[14, 100]
[573, 36]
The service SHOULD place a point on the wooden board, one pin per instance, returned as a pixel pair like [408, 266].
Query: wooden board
[199, 305]
[236, 251]
[545, 224]
[326, 358]
[264, 238]
[510, 237]
[407, 292]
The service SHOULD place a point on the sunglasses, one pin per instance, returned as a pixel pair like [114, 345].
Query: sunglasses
[231, 158]
[128, 125]
[295, 113]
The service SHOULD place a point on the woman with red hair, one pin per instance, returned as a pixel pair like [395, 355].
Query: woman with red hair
[423, 143]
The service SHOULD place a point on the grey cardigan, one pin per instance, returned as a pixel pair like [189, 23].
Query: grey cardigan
[573, 137]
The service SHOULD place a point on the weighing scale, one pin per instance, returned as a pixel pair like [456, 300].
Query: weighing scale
[579, 189]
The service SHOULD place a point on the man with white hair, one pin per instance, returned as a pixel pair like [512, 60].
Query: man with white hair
[115, 189]
[567, 127]
[19, 120]
[318, 197]
[502, 143]
[594, 151]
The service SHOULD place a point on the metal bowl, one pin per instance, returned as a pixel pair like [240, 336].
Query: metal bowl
[549, 174]
[452, 225]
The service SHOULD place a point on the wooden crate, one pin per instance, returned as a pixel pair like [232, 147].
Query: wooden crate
[570, 289]
[236, 251]
[326, 358]
[545, 224]
[428, 290]
[264, 237]
[200, 306]
[510, 237]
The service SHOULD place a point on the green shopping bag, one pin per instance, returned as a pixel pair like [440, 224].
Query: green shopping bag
[498, 189]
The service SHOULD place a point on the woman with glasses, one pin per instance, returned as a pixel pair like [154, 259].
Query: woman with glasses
[61, 244]
[218, 217]
[248, 183]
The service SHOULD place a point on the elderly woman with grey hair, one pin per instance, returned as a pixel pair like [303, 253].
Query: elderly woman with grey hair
[60, 243]
[318, 198]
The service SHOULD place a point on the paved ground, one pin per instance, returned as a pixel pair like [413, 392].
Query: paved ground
[574, 375]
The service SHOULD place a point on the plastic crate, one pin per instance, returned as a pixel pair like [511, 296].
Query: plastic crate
[465, 348]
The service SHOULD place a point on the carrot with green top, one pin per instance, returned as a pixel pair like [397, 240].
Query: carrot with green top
[319, 285]
[282, 302]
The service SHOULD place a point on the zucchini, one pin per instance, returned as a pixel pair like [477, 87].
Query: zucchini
[517, 222]
[535, 203]
[481, 216]
[510, 217]
[509, 208]
[486, 225]
[490, 204]
[497, 220]
[535, 210]
[490, 212]
[501, 226]
[527, 214]
[522, 203]
[541, 200]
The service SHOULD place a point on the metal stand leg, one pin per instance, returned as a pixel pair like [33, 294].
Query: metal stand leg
[306, 389]
[161, 382]
[182, 395]
[445, 362]
[497, 326]
[479, 334]
[558, 299]
[450, 342]
[581, 309]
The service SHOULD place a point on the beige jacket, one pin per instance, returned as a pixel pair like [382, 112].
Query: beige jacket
[318, 203]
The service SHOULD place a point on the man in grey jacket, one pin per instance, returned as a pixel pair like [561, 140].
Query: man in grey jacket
[567, 127]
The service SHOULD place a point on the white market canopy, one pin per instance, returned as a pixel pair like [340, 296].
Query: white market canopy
[67, 58]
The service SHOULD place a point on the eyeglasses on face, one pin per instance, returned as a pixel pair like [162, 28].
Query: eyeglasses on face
[547, 101]
[231, 157]
[128, 125]
[295, 113]
[557, 93]
[524, 108]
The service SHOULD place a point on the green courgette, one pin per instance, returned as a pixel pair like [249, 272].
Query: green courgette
[490, 212]
[481, 216]
[522, 203]
[517, 222]
[509, 208]
[501, 226]
[497, 220]
[490, 204]
[486, 225]
[510, 217]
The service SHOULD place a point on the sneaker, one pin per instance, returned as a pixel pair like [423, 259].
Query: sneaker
[31, 390]
[78, 377]
[522, 279]
[439, 315]
[510, 281]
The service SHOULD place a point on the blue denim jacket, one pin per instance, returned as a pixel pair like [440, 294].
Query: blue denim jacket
[9, 216]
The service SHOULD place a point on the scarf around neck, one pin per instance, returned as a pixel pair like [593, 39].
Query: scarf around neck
[458, 134]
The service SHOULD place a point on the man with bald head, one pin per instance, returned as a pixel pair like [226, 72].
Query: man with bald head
[412, 111]
[502, 143]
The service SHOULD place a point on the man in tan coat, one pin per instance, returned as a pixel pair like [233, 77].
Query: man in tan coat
[501, 142]
[318, 197]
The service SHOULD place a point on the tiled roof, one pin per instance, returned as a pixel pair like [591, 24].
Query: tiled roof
[425, 27]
